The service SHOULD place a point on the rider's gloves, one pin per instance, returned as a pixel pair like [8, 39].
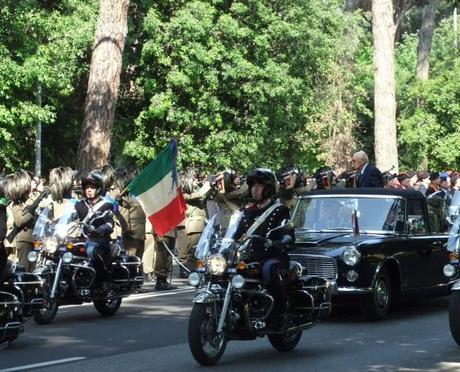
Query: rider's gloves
[282, 244]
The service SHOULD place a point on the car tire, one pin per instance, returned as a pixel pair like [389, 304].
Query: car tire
[454, 316]
[376, 305]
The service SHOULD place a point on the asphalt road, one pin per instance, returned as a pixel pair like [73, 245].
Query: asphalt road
[149, 333]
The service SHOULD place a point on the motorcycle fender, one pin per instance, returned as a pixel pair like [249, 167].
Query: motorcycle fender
[204, 298]
[455, 286]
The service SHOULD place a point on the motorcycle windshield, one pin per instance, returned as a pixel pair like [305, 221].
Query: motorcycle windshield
[60, 220]
[204, 244]
[229, 239]
[453, 243]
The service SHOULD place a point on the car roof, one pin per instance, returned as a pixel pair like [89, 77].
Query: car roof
[407, 194]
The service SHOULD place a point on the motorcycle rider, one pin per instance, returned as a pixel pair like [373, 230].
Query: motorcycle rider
[96, 214]
[259, 217]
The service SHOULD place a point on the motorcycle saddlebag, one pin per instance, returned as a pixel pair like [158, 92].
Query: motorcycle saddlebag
[31, 288]
[134, 266]
[313, 297]
[10, 317]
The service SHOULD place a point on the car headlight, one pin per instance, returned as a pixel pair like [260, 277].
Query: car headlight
[194, 279]
[32, 256]
[216, 264]
[449, 270]
[51, 244]
[67, 257]
[351, 256]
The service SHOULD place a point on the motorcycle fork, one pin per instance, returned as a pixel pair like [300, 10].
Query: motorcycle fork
[57, 277]
[223, 313]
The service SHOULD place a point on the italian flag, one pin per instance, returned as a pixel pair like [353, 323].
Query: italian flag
[158, 192]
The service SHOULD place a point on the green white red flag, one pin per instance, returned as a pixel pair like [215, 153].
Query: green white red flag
[158, 191]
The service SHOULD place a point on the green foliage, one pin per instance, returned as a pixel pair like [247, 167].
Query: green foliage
[429, 119]
[42, 45]
[234, 82]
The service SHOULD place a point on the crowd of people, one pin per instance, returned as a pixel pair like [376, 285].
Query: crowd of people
[22, 195]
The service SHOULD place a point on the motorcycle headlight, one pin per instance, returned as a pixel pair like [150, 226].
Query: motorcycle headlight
[67, 257]
[194, 279]
[32, 256]
[351, 256]
[238, 282]
[449, 270]
[216, 264]
[51, 244]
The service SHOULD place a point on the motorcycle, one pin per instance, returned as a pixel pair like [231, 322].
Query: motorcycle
[452, 269]
[233, 303]
[21, 297]
[68, 273]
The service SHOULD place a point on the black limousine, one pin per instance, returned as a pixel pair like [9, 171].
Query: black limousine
[375, 244]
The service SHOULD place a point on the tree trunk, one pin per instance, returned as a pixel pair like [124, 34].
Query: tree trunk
[103, 84]
[383, 28]
[425, 36]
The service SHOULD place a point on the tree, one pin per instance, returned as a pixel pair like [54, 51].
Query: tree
[103, 84]
[425, 38]
[384, 28]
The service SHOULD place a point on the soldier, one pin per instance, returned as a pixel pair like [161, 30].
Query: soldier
[148, 258]
[163, 260]
[130, 216]
[231, 194]
[194, 219]
[18, 187]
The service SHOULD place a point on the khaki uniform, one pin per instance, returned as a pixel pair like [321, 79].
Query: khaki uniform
[156, 259]
[24, 220]
[230, 202]
[131, 226]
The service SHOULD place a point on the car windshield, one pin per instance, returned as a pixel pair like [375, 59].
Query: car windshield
[335, 213]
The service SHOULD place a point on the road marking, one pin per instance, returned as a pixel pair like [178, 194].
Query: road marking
[139, 296]
[44, 364]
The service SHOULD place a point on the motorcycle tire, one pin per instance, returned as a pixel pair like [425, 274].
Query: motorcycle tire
[454, 316]
[376, 305]
[47, 315]
[107, 307]
[206, 349]
[285, 342]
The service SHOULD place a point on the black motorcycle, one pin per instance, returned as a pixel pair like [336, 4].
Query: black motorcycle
[21, 296]
[232, 302]
[68, 273]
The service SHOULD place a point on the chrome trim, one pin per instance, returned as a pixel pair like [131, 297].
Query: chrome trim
[329, 272]
[34, 282]
[223, 313]
[455, 286]
[204, 297]
[352, 290]
[355, 196]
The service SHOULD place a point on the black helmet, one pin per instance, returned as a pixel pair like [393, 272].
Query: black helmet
[93, 178]
[324, 178]
[265, 177]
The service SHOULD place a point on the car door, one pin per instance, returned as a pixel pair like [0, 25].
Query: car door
[427, 251]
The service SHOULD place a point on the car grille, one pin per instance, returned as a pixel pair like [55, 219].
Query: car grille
[316, 265]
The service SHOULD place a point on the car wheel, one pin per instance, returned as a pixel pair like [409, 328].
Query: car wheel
[454, 316]
[376, 305]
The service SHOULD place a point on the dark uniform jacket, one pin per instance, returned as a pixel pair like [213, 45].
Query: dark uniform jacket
[102, 219]
[257, 250]
[3, 256]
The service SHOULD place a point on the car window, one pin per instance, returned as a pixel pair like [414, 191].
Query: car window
[335, 213]
[416, 217]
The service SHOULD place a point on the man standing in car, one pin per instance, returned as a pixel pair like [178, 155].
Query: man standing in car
[367, 174]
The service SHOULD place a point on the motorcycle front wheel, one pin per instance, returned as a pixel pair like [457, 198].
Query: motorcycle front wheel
[107, 307]
[454, 316]
[285, 342]
[48, 313]
[206, 345]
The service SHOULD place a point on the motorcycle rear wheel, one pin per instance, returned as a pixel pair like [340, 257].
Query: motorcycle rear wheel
[285, 342]
[107, 307]
[206, 346]
[454, 316]
[47, 315]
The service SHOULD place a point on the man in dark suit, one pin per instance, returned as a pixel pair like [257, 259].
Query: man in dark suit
[367, 174]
